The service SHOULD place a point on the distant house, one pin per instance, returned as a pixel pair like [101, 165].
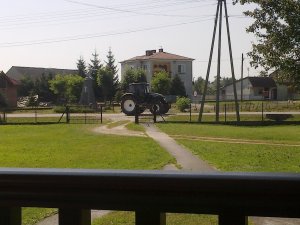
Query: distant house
[254, 88]
[8, 88]
[154, 61]
[18, 72]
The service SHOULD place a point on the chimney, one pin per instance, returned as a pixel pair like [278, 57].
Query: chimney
[150, 52]
[161, 50]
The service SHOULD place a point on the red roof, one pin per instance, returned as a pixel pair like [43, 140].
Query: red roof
[160, 56]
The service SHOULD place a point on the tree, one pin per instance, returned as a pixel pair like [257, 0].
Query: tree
[67, 88]
[42, 88]
[26, 87]
[81, 66]
[277, 29]
[198, 85]
[110, 65]
[105, 83]
[133, 75]
[177, 86]
[161, 83]
[95, 65]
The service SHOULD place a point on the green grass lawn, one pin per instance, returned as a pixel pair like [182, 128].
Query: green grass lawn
[249, 157]
[74, 146]
[276, 133]
[127, 218]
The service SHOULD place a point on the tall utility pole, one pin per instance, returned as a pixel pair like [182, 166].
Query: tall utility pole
[242, 76]
[219, 16]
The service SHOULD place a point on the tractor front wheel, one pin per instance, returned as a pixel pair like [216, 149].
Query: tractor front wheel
[128, 104]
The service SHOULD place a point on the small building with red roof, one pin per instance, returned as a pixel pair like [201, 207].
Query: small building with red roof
[8, 88]
[154, 61]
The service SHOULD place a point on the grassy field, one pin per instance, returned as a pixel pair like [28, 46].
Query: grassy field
[266, 133]
[74, 146]
[263, 149]
[127, 218]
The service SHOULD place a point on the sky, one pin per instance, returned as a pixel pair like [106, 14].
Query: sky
[54, 34]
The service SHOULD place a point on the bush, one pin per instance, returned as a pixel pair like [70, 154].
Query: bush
[183, 103]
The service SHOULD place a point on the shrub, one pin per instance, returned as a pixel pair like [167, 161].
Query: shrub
[183, 103]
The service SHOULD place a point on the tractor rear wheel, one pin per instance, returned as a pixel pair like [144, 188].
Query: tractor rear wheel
[128, 104]
[159, 108]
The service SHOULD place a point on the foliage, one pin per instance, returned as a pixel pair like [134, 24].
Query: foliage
[81, 66]
[183, 103]
[67, 87]
[161, 83]
[105, 83]
[177, 86]
[33, 100]
[95, 65]
[198, 85]
[133, 75]
[42, 88]
[276, 26]
[110, 66]
[93, 69]
[27, 85]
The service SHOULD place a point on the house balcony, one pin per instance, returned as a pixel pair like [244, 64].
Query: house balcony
[150, 194]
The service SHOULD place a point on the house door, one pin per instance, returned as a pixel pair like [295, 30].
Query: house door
[274, 94]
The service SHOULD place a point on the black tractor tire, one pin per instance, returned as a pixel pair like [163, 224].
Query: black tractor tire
[165, 108]
[159, 108]
[128, 104]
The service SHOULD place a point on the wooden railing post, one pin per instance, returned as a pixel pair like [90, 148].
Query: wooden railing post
[233, 219]
[73, 216]
[10, 216]
[150, 218]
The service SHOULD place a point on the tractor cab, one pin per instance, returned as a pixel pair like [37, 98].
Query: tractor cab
[139, 88]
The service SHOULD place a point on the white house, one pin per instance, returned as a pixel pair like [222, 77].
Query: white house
[254, 88]
[154, 61]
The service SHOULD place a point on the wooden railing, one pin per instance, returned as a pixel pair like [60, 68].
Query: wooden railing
[150, 194]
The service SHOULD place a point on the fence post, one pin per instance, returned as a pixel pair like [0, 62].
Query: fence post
[74, 216]
[35, 114]
[154, 113]
[262, 111]
[10, 216]
[190, 113]
[101, 113]
[67, 114]
[234, 218]
[85, 116]
[225, 112]
[150, 218]
[136, 117]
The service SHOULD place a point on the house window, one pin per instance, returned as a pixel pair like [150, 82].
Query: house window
[181, 68]
[145, 67]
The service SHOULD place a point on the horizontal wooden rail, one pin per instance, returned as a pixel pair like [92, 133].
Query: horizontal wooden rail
[232, 196]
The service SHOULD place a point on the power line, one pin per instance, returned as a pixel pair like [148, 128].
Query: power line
[90, 36]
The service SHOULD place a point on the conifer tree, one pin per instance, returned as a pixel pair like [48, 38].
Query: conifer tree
[113, 71]
[95, 65]
[81, 66]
